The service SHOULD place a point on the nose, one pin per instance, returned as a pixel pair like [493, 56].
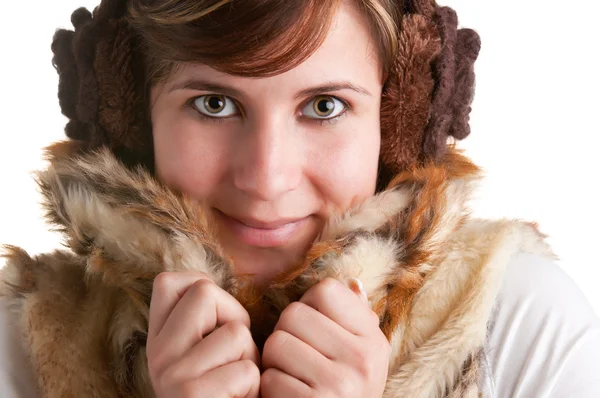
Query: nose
[268, 160]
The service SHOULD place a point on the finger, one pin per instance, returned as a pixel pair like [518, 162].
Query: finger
[167, 290]
[276, 384]
[230, 343]
[203, 307]
[340, 304]
[316, 330]
[296, 358]
[236, 379]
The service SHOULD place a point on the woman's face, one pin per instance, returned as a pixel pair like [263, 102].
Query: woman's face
[273, 157]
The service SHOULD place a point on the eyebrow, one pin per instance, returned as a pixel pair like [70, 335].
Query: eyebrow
[332, 86]
[204, 85]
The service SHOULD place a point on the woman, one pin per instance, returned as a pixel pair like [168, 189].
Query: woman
[260, 201]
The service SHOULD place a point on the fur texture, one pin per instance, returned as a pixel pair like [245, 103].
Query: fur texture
[430, 271]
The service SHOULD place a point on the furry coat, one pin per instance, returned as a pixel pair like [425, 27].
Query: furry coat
[430, 270]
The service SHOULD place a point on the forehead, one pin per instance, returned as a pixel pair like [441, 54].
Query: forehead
[348, 44]
[348, 53]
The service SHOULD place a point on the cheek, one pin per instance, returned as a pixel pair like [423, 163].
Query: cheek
[185, 159]
[347, 175]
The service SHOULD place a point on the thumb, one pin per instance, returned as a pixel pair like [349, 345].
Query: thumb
[357, 287]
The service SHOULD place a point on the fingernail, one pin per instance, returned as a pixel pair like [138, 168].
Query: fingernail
[357, 287]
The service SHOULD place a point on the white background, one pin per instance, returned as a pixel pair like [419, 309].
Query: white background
[535, 127]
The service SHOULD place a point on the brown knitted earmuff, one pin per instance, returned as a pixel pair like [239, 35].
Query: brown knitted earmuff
[428, 94]
[101, 84]
[426, 98]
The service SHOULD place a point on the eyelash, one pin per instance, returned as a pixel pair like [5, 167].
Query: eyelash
[322, 122]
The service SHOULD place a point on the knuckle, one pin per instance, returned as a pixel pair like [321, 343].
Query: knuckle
[250, 373]
[291, 312]
[279, 337]
[310, 394]
[250, 369]
[164, 281]
[165, 380]
[374, 318]
[348, 387]
[325, 289]
[151, 351]
[154, 374]
[274, 343]
[202, 289]
[155, 365]
[167, 280]
[267, 377]
[366, 369]
[267, 380]
[386, 347]
[271, 380]
[329, 284]
[343, 385]
[381, 344]
[187, 390]
[238, 331]
[362, 362]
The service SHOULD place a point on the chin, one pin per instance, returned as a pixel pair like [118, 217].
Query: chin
[263, 265]
[263, 262]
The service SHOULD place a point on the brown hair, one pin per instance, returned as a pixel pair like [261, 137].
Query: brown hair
[247, 37]
[112, 58]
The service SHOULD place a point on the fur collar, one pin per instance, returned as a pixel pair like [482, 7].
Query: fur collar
[431, 273]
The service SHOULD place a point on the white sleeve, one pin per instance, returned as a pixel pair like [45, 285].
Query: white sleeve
[16, 376]
[544, 338]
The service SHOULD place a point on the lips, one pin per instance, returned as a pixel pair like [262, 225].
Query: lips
[262, 233]
[266, 225]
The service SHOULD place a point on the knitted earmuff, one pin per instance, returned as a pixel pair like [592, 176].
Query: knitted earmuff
[428, 94]
[101, 84]
[426, 98]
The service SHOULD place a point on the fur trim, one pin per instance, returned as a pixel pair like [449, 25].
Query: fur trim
[431, 273]
[447, 312]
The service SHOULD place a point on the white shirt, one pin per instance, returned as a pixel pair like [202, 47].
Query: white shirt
[544, 339]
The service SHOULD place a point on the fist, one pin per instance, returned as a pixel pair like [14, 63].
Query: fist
[328, 344]
[199, 342]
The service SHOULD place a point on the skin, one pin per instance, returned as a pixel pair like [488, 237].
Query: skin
[268, 157]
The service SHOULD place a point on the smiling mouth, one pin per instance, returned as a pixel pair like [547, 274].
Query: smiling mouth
[262, 234]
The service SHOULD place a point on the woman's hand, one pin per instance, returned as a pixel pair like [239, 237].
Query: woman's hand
[199, 342]
[326, 345]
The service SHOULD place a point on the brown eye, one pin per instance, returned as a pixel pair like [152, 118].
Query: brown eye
[214, 103]
[218, 106]
[324, 107]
